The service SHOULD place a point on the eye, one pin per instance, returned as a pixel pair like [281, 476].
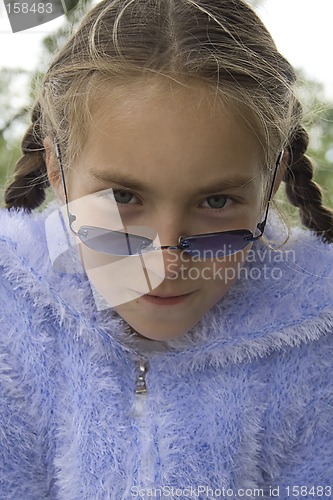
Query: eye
[217, 201]
[124, 197]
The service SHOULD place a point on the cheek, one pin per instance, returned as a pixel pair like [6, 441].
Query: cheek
[119, 280]
[99, 269]
[217, 276]
[217, 280]
[219, 271]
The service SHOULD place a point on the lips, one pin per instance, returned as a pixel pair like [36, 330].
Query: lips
[166, 299]
[168, 296]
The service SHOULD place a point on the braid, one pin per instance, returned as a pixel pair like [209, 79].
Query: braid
[27, 190]
[303, 192]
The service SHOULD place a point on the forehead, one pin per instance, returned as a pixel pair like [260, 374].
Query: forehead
[156, 129]
[158, 87]
[126, 99]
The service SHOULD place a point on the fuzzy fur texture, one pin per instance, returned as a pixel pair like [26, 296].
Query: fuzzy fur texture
[243, 400]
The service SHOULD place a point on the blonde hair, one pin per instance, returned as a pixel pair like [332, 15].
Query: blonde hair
[221, 44]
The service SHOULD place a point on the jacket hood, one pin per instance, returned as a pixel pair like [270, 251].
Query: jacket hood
[284, 297]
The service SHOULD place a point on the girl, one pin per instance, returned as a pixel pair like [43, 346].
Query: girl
[159, 335]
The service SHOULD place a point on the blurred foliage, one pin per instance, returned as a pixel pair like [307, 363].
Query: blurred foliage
[17, 89]
[13, 118]
[15, 114]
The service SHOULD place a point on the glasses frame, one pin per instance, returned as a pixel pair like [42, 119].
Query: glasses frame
[182, 244]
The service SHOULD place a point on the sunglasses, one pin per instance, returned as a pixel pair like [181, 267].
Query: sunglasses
[122, 244]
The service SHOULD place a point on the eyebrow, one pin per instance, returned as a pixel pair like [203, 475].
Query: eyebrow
[237, 181]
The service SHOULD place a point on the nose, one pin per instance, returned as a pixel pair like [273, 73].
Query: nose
[174, 225]
[170, 226]
[167, 262]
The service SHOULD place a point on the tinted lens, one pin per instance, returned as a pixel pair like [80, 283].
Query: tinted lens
[218, 244]
[112, 242]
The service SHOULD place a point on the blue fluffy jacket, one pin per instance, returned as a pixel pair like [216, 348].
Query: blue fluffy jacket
[242, 405]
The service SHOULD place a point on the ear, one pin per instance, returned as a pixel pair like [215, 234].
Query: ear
[52, 168]
[282, 169]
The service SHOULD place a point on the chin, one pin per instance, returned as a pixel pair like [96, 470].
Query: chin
[161, 337]
[160, 334]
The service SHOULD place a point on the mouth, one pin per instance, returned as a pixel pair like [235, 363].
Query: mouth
[166, 299]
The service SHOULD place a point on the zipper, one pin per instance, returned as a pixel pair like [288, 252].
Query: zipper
[139, 402]
[139, 411]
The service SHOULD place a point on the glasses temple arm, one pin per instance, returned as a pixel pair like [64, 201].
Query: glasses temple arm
[261, 225]
[71, 217]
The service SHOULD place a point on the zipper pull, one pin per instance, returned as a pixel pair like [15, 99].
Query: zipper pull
[140, 390]
[141, 380]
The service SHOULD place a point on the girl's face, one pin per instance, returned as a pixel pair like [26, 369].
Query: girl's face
[196, 170]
